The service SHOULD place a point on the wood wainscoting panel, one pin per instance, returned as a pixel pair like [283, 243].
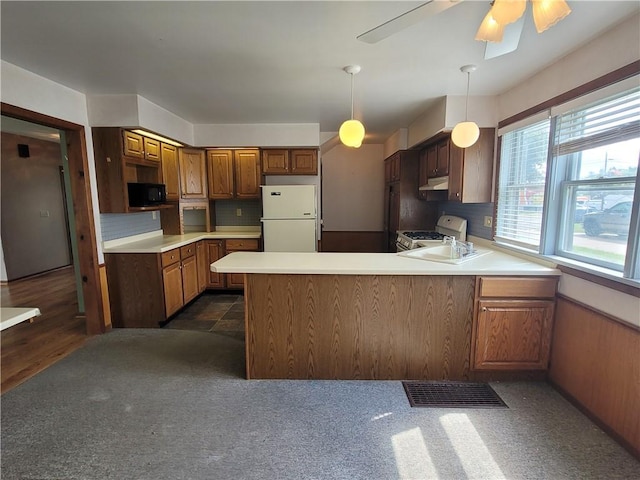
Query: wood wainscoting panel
[369, 242]
[596, 361]
[358, 327]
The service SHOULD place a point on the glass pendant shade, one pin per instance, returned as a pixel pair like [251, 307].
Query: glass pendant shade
[351, 133]
[490, 30]
[507, 11]
[546, 13]
[465, 134]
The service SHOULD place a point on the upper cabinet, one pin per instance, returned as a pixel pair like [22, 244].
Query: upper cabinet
[120, 158]
[170, 176]
[470, 170]
[193, 173]
[290, 162]
[233, 173]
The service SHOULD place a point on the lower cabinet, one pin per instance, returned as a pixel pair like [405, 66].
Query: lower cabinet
[513, 321]
[179, 277]
[218, 249]
[215, 251]
[145, 289]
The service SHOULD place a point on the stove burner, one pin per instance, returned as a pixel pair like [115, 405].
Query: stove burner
[423, 235]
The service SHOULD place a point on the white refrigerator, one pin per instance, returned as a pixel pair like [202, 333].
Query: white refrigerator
[289, 218]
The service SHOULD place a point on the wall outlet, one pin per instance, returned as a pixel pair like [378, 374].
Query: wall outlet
[44, 213]
[488, 221]
[238, 212]
[154, 215]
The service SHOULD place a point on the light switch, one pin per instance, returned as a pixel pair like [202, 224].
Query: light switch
[44, 213]
[238, 212]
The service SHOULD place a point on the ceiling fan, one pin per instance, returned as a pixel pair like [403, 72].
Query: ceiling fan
[509, 43]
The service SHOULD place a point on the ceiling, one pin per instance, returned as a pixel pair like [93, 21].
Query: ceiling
[213, 62]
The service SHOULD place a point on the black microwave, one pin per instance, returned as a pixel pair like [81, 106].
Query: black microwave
[146, 194]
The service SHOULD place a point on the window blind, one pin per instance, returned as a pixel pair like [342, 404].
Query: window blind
[608, 121]
[521, 186]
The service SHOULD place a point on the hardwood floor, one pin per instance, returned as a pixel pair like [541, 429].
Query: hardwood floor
[28, 348]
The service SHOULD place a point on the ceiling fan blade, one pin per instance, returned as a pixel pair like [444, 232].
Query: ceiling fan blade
[395, 25]
[509, 43]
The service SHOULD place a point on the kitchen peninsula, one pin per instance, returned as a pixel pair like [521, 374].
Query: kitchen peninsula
[382, 316]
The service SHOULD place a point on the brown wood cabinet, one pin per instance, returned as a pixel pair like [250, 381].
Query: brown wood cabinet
[236, 280]
[140, 146]
[170, 175]
[471, 170]
[179, 277]
[120, 159]
[233, 173]
[202, 259]
[215, 251]
[289, 162]
[513, 320]
[193, 173]
[403, 209]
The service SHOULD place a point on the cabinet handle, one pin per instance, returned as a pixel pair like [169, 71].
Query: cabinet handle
[484, 309]
[457, 194]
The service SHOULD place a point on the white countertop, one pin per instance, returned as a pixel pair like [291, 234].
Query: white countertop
[10, 316]
[156, 242]
[325, 263]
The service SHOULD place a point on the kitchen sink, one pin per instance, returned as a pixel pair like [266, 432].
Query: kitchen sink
[442, 254]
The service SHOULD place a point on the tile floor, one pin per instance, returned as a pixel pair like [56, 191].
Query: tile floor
[221, 313]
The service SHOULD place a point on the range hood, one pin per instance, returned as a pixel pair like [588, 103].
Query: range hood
[437, 183]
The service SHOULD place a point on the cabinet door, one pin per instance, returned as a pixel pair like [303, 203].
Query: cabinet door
[442, 167]
[247, 173]
[169, 159]
[220, 168]
[304, 162]
[432, 161]
[215, 251]
[193, 173]
[275, 162]
[133, 144]
[189, 278]
[387, 171]
[395, 167]
[513, 334]
[172, 282]
[151, 149]
[235, 280]
[202, 260]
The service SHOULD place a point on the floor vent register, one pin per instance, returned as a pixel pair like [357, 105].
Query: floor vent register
[452, 395]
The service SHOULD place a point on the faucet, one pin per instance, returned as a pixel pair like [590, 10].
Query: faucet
[459, 249]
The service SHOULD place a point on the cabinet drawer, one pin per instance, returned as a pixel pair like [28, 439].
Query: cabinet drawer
[509, 287]
[242, 244]
[170, 257]
[187, 251]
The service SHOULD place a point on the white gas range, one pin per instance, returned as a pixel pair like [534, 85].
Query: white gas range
[448, 225]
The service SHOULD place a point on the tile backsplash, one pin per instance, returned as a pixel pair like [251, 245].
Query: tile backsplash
[119, 225]
[473, 212]
[226, 212]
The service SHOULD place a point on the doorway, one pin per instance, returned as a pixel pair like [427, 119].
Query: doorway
[84, 229]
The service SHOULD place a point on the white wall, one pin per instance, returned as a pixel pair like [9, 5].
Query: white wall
[353, 188]
[616, 48]
[258, 135]
[32, 92]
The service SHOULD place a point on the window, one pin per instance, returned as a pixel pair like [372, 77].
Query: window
[567, 184]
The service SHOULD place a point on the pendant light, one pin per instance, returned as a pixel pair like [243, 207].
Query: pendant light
[352, 131]
[466, 133]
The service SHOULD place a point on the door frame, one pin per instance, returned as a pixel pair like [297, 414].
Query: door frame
[83, 211]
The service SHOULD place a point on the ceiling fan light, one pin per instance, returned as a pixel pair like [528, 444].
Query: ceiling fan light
[490, 30]
[465, 134]
[351, 133]
[546, 13]
[507, 11]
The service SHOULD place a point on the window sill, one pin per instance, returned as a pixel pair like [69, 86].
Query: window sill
[599, 275]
